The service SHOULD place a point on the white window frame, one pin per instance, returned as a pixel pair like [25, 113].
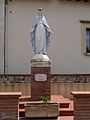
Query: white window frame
[84, 25]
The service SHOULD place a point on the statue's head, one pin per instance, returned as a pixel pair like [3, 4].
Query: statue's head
[40, 11]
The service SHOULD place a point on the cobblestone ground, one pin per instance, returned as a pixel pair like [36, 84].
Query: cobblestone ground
[59, 118]
[38, 119]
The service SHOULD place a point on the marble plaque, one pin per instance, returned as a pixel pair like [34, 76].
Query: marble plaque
[40, 77]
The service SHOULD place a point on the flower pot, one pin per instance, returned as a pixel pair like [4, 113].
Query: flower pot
[38, 110]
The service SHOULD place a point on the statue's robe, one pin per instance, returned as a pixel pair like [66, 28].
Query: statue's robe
[40, 35]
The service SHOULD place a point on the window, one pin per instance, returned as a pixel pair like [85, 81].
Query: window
[85, 30]
[87, 40]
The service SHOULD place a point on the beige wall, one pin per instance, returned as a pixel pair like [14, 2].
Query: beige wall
[66, 88]
[56, 88]
[64, 19]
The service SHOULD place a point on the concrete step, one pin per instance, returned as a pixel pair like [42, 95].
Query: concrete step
[22, 113]
[63, 102]
[66, 112]
[25, 98]
[66, 118]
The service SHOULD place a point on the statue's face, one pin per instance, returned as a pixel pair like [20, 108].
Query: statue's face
[40, 12]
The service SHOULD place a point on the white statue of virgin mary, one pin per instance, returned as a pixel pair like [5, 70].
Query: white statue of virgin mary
[40, 34]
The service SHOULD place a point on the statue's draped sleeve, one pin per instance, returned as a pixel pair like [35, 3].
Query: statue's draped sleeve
[47, 31]
[32, 34]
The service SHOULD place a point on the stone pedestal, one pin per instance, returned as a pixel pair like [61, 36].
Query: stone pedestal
[40, 77]
[81, 105]
[9, 105]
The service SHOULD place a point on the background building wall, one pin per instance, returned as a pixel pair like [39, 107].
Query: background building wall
[64, 20]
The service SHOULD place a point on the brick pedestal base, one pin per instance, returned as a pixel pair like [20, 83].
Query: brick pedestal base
[40, 87]
[81, 105]
[9, 105]
[40, 77]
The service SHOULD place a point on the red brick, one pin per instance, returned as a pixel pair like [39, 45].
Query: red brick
[9, 104]
[40, 88]
[81, 105]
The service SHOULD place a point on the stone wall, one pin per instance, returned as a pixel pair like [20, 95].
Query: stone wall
[16, 78]
[62, 78]
[81, 105]
[71, 78]
[61, 84]
[9, 104]
[57, 88]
